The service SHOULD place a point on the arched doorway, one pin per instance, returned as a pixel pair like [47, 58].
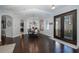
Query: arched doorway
[6, 28]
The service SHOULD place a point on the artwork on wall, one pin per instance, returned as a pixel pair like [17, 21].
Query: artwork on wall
[9, 23]
[41, 25]
[22, 26]
[4, 22]
[34, 23]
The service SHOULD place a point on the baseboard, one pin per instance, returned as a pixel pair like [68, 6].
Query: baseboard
[17, 35]
[65, 43]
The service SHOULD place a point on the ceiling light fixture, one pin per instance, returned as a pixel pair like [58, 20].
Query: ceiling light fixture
[53, 7]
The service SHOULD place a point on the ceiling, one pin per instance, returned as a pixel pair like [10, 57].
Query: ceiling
[28, 10]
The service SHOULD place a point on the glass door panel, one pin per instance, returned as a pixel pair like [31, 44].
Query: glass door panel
[68, 27]
[58, 27]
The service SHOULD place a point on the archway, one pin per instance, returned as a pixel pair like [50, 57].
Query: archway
[6, 28]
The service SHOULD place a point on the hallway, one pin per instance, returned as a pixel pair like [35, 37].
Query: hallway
[39, 29]
[57, 28]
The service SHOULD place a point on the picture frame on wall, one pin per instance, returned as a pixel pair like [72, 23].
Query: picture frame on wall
[41, 25]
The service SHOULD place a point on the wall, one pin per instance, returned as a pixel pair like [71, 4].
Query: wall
[0, 29]
[48, 31]
[9, 26]
[12, 31]
[16, 25]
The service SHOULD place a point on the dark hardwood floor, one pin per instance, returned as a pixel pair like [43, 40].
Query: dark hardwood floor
[40, 44]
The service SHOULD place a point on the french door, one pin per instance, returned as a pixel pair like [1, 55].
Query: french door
[65, 27]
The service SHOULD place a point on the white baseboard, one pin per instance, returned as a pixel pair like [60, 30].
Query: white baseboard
[17, 35]
[65, 43]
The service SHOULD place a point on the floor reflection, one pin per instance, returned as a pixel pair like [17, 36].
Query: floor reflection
[33, 45]
[68, 49]
[40, 45]
[22, 45]
[57, 47]
[60, 48]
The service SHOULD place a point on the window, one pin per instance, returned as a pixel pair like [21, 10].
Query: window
[47, 26]
[65, 27]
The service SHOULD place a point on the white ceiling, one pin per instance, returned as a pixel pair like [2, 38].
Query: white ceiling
[28, 10]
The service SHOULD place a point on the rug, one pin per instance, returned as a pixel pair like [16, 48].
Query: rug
[7, 48]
